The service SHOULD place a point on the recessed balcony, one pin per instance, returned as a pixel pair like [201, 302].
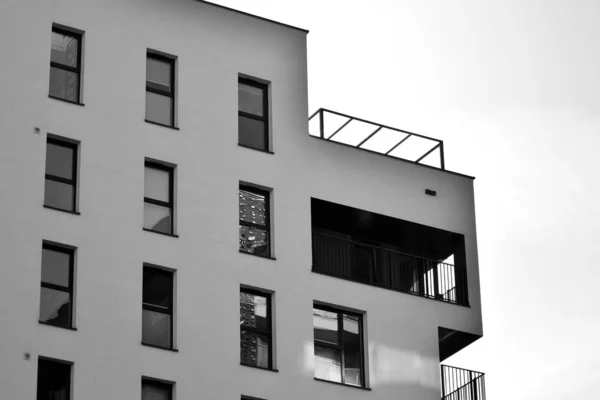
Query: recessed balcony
[390, 253]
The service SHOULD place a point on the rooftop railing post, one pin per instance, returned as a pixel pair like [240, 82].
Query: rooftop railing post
[321, 124]
[443, 384]
[442, 162]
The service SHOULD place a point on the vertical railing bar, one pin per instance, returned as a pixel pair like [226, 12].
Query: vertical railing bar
[321, 124]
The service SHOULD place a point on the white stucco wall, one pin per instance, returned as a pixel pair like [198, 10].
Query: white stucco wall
[213, 45]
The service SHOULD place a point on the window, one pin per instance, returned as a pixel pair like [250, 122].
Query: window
[158, 198]
[65, 65]
[255, 328]
[255, 225]
[54, 380]
[160, 89]
[56, 299]
[253, 116]
[157, 307]
[61, 175]
[338, 346]
[156, 390]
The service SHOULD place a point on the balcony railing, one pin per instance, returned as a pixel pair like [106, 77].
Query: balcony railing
[462, 384]
[367, 135]
[389, 269]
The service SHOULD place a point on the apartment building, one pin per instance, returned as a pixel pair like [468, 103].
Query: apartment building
[175, 226]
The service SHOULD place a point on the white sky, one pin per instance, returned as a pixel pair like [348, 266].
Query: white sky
[512, 88]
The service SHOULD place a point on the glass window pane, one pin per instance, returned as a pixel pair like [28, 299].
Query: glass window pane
[325, 325]
[156, 328]
[254, 241]
[56, 267]
[64, 49]
[158, 72]
[253, 207]
[64, 84]
[53, 380]
[254, 311]
[254, 349]
[252, 133]
[352, 350]
[59, 195]
[59, 161]
[250, 99]
[155, 391]
[156, 184]
[157, 218]
[328, 364]
[55, 307]
[158, 108]
[158, 287]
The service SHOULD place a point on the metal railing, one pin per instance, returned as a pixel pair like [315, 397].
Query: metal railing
[390, 269]
[462, 384]
[367, 135]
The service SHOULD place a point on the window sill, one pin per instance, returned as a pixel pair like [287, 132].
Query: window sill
[161, 233]
[254, 148]
[160, 347]
[163, 125]
[58, 326]
[343, 384]
[255, 367]
[60, 209]
[66, 101]
[257, 255]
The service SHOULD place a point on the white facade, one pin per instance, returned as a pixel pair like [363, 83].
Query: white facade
[213, 46]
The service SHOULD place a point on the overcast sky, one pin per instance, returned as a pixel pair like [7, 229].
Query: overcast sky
[513, 89]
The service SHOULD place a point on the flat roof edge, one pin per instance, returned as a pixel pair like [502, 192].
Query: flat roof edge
[395, 158]
[253, 16]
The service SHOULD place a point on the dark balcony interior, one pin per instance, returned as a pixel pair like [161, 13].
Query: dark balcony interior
[375, 249]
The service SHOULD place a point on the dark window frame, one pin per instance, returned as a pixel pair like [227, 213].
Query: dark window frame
[158, 383]
[77, 69]
[269, 333]
[45, 360]
[265, 117]
[158, 309]
[163, 92]
[53, 286]
[267, 226]
[73, 182]
[171, 203]
[340, 346]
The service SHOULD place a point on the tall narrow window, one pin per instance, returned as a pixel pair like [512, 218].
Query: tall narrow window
[253, 116]
[53, 380]
[160, 89]
[65, 65]
[338, 346]
[157, 307]
[61, 175]
[156, 390]
[56, 299]
[255, 225]
[158, 198]
[255, 328]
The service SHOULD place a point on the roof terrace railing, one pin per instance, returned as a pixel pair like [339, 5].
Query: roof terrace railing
[367, 135]
[462, 384]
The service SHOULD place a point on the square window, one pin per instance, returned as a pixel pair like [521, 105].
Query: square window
[53, 380]
[157, 307]
[156, 390]
[339, 355]
[56, 298]
[160, 89]
[158, 198]
[255, 225]
[253, 118]
[255, 329]
[61, 174]
[65, 65]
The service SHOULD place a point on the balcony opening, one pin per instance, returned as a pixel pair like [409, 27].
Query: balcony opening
[371, 248]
